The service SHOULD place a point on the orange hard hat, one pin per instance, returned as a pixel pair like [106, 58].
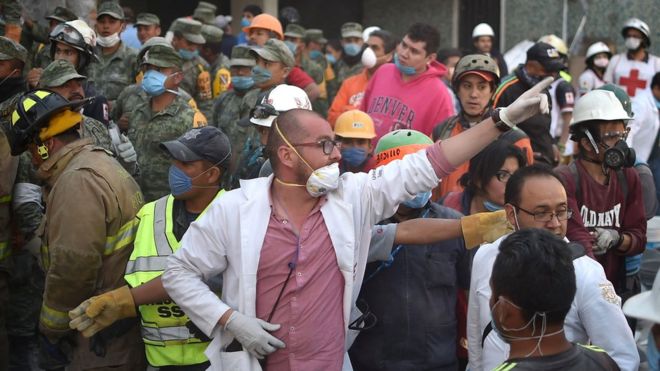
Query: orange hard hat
[267, 22]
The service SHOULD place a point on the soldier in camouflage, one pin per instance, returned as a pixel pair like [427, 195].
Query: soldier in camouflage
[350, 62]
[165, 116]
[12, 62]
[117, 66]
[218, 62]
[148, 26]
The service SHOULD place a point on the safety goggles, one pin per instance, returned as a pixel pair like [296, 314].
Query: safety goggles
[67, 34]
[618, 135]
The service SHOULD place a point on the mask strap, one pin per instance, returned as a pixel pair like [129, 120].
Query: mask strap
[277, 128]
[592, 141]
[8, 76]
[212, 166]
[515, 217]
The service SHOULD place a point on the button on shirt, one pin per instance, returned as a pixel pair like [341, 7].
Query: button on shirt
[310, 309]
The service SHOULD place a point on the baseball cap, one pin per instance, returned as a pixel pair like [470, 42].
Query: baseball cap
[190, 29]
[241, 56]
[547, 56]
[162, 56]
[62, 14]
[147, 19]
[212, 34]
[9, 49]
[206, 5]
[351, 29]
[57, 73]
[204, 15]
[294, 30]
[315, 35]
[275, 51]
[111, 8]
[206, 143]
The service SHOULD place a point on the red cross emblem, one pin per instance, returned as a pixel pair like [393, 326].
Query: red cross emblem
[633, 82]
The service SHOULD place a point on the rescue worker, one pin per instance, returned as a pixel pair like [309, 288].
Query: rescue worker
[355, 130]
[218, 62]
[198, 159]
[597, 58]
[41, 53]
[80, 258]
[163, 117]
[148, 26]
[116, 67]
[483, 42]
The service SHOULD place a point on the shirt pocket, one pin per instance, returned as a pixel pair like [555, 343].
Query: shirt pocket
[440, 268]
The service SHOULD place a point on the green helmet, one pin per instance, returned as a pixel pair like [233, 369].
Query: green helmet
[398, 143]
[622, 96]
[476, 63]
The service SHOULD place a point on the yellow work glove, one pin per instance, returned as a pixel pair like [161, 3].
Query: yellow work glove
[484, 227]
[99, 312]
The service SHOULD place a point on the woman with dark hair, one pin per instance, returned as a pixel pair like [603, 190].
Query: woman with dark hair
[486, 179]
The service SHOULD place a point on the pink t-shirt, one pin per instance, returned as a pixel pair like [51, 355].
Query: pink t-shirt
[310, 310]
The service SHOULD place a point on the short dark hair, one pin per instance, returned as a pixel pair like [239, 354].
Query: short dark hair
[487, 163]
[534, 269]
[656, 80]
[253, 9]
[427, 33]
[446, 53]
[335, 44]
[291, 126]
[515, 184]
[389, 40]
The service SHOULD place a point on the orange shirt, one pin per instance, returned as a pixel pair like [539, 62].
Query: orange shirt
[349, 96]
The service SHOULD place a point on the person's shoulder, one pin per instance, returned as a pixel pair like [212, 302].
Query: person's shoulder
[596, 358]
[487, 252]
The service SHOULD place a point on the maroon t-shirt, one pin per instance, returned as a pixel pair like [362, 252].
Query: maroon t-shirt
[298, 77]
[604, 206]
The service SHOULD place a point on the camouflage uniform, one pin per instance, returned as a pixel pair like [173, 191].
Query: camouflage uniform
[114, 72]
[133, 95]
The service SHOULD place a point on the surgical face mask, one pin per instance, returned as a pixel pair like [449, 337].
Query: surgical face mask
[491, 206]
[188, 54]
[315, 54]
[352, 49]
[331, 58]
[153, 83]
[406, 70]
[419, 201]
[369, 58]
[601, 62]
[632, 43]
[242, 83]
[291, 45]
[260, 75]
[108, 41]
[181, 183]
[245, 22]
[354, 156]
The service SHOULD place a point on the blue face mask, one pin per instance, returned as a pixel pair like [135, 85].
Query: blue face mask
[354, 156]
[352, 49]
[180, 182]
[245, 22]
[491, 206]
[153, 83]
[260, 75]
[419, 201]
[315, 54]
[331, 58]
[242, 83]
[406, 70]
[187, 54]
[657, 104]
[292, 46]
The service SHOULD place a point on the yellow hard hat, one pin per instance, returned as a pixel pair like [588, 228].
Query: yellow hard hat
[355, 124]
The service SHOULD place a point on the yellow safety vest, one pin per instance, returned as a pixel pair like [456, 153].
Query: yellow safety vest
[167, 340]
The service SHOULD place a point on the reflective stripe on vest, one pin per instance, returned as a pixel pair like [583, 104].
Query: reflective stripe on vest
[5, 199]
[4, 249]
[166, 337]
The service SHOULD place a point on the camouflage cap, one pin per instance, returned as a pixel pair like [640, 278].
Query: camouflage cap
[9, 49]
[204, 15]
[111, 8]
[58, 73]
[147, 19]
[207, 5]
[241, 56]
[190, 29]
[212, 34]
[275, 51]
[62, 14]
[162, 56]
[315, 35]
[157, 40]
[294, 30]
[351, 29]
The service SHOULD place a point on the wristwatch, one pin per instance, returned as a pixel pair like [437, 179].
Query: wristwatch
[499, 124]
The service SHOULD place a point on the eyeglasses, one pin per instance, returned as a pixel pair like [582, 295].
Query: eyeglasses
[503, 175]
[546, 216]
[67, 34]
[263, 111]
[620, 135]
[327, 144]
[366, 321]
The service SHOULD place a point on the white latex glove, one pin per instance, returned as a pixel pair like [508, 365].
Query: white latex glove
[605, 240]
[530, 103]
[126, 150]
[253, 334]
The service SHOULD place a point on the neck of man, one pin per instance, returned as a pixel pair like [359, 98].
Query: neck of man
[638, 54]
[595, 170]
[159, 102]
[199, 203]
[110, 50]
[407, 78]
[292, 202]
[547, 346]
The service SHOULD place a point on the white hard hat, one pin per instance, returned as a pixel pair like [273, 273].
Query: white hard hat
[283, 98]
[645, 305]
[598, 105]
[367, 31]
[556, 43]
[639, 25]
[597, 48]
[482, 29]
[87, 32]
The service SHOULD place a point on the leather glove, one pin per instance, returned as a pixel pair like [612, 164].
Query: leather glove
[99, 312]
[484, 227]
[530, 103]
[253, 334]
[125, 150]
[605, 240]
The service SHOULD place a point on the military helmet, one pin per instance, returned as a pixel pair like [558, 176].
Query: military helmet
[477, 64]
[398, 143]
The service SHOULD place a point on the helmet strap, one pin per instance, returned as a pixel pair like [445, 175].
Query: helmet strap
[42, 149]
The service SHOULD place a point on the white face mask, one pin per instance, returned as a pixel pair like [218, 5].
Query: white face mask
[369, 58]
[108, 41]
[321, 181]
[601, 62]
[632, 43]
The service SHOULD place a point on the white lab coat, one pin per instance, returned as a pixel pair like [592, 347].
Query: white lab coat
[595, 315]
[229, 237]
